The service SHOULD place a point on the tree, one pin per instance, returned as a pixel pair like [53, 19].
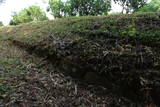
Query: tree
[153, 6]
[57, 7]
[1, 24]
[90, 7]
[131, 5]
[79, 7]
[33, 13]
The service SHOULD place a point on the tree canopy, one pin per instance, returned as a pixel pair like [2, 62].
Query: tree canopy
[79, 7]
[57, 8]
[89, 7]
[131, 5]
[32, 13]
[1, 24]
[153, 6]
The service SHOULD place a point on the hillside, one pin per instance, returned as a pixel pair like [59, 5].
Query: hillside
[119, 52]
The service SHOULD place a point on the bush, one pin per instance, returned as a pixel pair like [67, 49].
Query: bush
[33, 13]
[1, 24]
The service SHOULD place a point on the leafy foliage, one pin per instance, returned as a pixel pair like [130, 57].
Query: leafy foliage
[56, 7]
[1, 24]
[153, 6]
[79, 7]
[131, 5]
[33, 13]
[89, 7]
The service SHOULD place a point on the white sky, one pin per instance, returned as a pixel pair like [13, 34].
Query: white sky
[10, 6]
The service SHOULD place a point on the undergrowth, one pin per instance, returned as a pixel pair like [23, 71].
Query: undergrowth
[136, 25]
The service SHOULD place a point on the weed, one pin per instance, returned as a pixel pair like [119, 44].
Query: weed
[3, 90]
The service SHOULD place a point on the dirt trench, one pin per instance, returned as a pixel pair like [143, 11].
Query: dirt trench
[132, 72]
[29, 80]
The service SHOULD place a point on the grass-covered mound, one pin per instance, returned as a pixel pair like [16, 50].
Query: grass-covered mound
[120, 51]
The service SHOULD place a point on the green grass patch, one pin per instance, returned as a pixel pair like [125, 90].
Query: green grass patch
[3, 90]
[11, 68]
[9, 61]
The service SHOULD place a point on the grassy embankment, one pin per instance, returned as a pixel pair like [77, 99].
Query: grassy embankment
[123, 49]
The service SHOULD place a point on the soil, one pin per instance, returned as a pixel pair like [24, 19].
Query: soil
[39, 84]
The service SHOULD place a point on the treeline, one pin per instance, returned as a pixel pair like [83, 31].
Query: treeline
[59, 9]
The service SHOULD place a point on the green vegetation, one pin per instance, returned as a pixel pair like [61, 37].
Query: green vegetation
[79, 7]
[3, 90]
[7, 61]
[153, 6]
[114, 25]
[131, 5]
[1, 24]
[58, 8]
[11, 67]
[32, 13]
[61, 9]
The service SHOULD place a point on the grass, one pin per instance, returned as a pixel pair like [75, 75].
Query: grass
[8, 61]
[3, 90]
[11, 66]
[8, 71]
[143, 25]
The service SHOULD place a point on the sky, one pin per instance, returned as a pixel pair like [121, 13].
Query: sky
[10, 6]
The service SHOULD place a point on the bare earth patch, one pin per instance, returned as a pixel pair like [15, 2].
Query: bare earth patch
[27, 80]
